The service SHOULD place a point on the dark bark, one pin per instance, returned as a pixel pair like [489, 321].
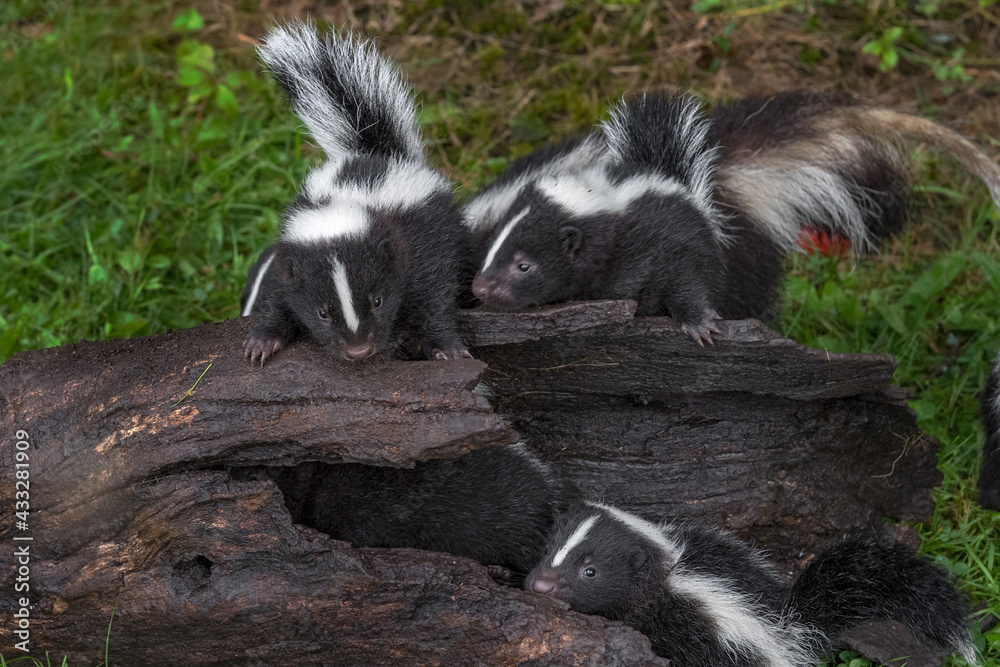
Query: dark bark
[785, 445]
[130, 490]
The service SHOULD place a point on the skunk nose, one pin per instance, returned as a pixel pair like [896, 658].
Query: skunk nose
[481, 287]
[544, 586]
[359, 351]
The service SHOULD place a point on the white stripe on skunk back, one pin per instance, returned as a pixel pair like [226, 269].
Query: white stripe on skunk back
[492, 204]
[703, 597]
[335, 77]
[255, 287]
[686, 150]
[591, 192]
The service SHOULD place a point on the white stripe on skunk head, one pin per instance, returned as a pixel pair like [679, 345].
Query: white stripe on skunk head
[668, 134]
[343, 208]
[344, 293]
[578, 536]
[657, 535]
[501, 237]
[490, 206]
[351, 99]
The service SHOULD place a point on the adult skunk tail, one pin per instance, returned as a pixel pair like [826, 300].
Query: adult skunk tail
[817, 161]
[352, 100]
[861, 579]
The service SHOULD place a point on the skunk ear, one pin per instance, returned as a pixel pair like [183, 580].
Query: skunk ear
[286, 266]
[385, 247]
[571, 238]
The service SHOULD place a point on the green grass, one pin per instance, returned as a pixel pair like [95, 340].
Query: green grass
[145, 160]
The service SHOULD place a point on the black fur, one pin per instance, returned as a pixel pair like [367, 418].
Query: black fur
[989, 474]
[742, 129]
[863, 578]
[745, 263]
[495, 505]
[617, 572]
[403, 269]
[659, 250]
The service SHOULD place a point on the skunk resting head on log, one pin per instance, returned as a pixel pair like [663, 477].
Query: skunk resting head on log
[495, 505]
[373, 245]
[704, 598]
[989, 474]
[691, 214]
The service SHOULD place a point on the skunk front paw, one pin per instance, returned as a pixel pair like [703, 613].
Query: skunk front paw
[702, 332]
[255, 348]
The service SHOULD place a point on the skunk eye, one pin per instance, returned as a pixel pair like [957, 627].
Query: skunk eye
[323, 315]
[523, 268]
[378, 301]
[590, 573]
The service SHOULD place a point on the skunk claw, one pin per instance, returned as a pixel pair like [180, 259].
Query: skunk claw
[702, 332]
[457, 353]
[260, 348]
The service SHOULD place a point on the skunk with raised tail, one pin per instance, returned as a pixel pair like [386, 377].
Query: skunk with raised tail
[989, 473]
[495, 505]
[703, 597]
[693, 215]
[373, 245]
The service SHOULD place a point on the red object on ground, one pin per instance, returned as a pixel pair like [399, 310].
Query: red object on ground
[829, 245]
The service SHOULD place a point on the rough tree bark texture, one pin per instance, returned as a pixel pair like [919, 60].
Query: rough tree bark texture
[129, 489]
[785, 445]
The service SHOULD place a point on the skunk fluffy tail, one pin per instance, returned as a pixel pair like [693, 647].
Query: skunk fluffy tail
[989, 474]
[668, 135]
[352, 100]
[798, 160]
[861, 579]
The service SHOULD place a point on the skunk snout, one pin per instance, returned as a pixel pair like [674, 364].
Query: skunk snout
[546, 582]
[354, 349]
[482, 287]
[359, 351]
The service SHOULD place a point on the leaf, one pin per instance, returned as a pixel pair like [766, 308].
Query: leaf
[191, 53]
[158, 262]
[125, 324]
[190, 77]
[97, 274]
[189, 19]
[130, 260]
[226, 100]
[889, 60]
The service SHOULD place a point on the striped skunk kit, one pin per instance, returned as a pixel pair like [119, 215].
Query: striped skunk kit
[372, 246]
[705, 598]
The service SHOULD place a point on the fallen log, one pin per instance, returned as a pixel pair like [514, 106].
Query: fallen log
[130, 491]
[785, 445]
